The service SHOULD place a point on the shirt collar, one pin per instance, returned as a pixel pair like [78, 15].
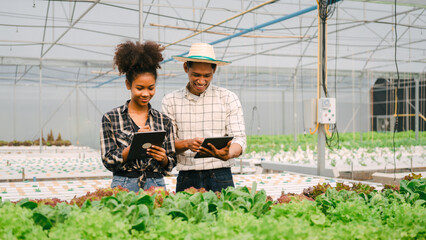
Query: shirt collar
[125, 107]
[208, 91]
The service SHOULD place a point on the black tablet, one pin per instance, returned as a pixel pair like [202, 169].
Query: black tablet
[144, 140]
[218, 143]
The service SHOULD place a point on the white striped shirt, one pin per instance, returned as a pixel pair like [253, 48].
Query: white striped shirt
[216, 112]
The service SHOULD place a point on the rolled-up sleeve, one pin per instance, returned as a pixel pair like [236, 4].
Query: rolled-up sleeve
[235, 121]
[111, 154]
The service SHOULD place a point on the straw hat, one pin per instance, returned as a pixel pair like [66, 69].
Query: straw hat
[202, 52]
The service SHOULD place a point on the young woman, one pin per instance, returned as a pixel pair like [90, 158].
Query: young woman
[139, 62]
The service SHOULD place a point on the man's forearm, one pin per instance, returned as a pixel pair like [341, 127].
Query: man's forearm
[181, 146]
[235, 150]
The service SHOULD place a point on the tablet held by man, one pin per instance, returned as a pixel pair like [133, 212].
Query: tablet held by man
[218, 143]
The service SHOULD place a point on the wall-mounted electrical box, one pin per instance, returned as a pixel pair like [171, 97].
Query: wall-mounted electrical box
[327, 110]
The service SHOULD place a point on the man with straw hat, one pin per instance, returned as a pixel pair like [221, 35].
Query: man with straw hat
[202, 110]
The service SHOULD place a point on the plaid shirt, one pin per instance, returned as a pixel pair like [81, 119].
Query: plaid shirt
[216, 112]
[117, 133]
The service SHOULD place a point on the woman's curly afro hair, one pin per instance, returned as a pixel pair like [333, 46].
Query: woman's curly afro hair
[134, 58]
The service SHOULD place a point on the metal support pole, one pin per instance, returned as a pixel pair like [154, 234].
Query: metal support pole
[295, 125]
[416, 127]
[407, 107]
[77, 116]
[140, 21]
[14, 108]
[353, 99]
[283, 112]
[360, 108]
[40, 109]
[321, 151]
[322, 31]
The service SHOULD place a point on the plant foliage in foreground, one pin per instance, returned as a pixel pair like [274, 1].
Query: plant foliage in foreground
[341, 212]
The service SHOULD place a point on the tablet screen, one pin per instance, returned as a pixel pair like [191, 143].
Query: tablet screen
[218, 143]
[144, 140]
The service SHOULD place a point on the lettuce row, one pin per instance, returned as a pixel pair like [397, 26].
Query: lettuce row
[235, 213]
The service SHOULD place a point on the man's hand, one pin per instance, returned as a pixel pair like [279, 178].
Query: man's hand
[194, 144]
[191, 144]
[222, 154]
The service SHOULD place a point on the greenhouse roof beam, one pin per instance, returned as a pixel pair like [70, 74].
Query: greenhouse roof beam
[380, 43]
[28, 42]
[87, 50]
[6, 60]
[295, 14]
[57, 27]
[71, 27]
[234, 10]
[44, 31]
[222, 22]
[349, 57]
[410, 3]
[46, 79]
[279, 47]
[389, 23]
[192, 7]
[25, 73]
[301, 56]
[372, 30]
[377, 19]
[286, 17]
[108, 81]
[423, 60]
[265, 24]
[287, 45]
[307, 56]
[220, 33]
[235, 29]
[399, 37]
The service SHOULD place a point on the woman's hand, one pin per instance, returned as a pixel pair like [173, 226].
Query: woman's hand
[159, 154]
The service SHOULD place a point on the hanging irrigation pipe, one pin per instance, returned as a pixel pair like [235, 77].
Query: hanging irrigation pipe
[327, 126]
[222, 22]
[396, 101]
[324, 73]
[318, 78]
[410, 115]
[404, 114]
